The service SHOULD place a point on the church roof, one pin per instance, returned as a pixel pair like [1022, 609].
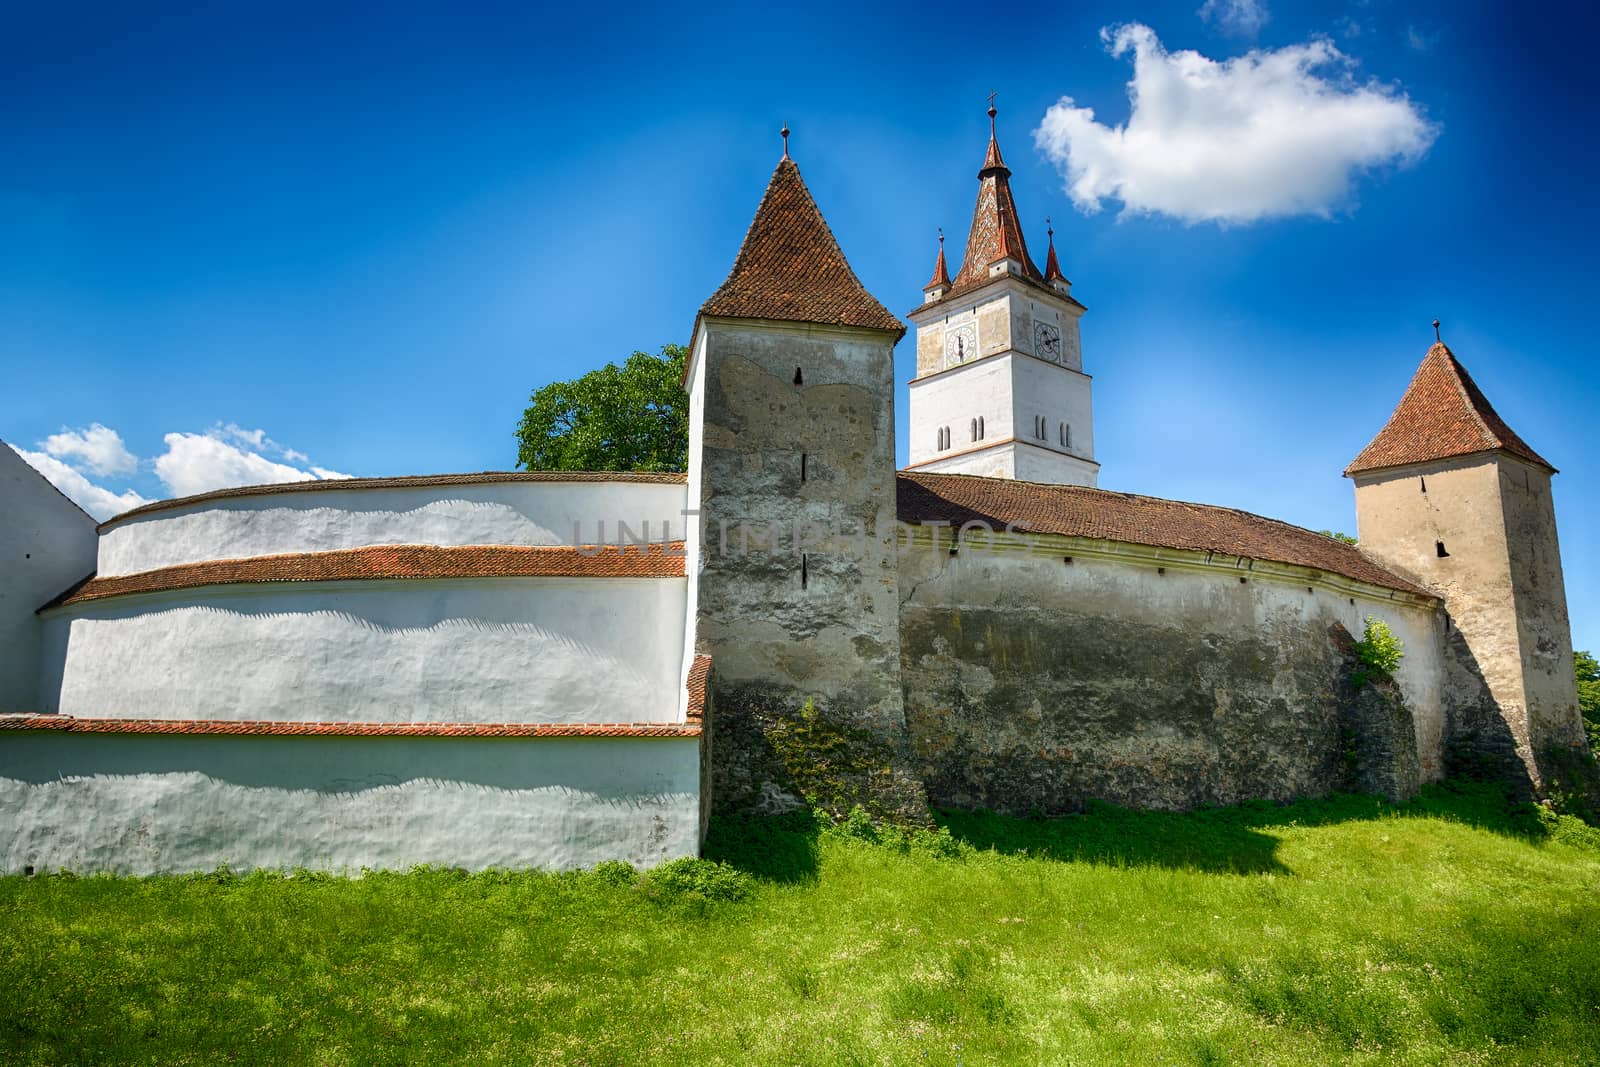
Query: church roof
[1442, 414]
[393, 562]
[414, 481]
[996, 233]
[1077, 511]
[791, 268]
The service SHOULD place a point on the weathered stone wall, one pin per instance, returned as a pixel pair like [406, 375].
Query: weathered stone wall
[787, 613]
[1151, 678]
[1508, 680]
[1544, 632]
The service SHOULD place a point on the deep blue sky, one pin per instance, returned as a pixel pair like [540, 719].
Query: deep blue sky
[372, 232]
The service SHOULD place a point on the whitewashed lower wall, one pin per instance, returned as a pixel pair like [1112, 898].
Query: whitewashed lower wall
[458, 650]
[325, 520]
[133, 804]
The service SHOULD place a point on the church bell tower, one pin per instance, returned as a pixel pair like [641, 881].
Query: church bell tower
[1000, 389]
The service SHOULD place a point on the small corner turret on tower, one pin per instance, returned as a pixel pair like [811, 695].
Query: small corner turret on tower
[1000, 388]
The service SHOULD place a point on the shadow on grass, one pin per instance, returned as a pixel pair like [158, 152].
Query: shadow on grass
[1233, 840]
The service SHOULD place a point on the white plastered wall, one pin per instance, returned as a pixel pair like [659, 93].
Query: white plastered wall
[420, 650]
[495, 513]
[46, 544]
[133, 804]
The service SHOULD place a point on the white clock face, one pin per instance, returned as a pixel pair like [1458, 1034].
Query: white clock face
[960, 344]
[1047, 342]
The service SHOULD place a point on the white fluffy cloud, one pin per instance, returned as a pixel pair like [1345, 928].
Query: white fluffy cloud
[98, 448]
[223, 457]
[200, 462]
[97, 500]
[1272, 133]
[1242, 18]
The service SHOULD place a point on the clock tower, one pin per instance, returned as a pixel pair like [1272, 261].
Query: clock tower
[1000, 389]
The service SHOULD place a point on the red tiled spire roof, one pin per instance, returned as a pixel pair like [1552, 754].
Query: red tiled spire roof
[1442, 414]
[941, 273]
[1052, 268]
[790, 267]
[995, 233]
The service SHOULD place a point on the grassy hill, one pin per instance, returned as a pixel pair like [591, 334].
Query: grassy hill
[1454, 930]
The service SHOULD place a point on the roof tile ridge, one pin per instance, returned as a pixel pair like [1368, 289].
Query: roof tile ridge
[1456, 372]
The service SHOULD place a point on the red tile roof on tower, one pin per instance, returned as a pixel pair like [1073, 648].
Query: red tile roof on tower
[941, 273]
[790, 267]
[1442, 414]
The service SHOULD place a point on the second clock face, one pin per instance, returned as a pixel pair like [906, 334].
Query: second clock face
[960, 344]
[1047, 341]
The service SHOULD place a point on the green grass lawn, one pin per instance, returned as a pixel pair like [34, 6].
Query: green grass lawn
[1454, 930]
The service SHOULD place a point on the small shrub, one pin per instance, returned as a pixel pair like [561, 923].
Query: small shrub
[614, 873]
[858, 825]
[690, 879]
[1379, 651]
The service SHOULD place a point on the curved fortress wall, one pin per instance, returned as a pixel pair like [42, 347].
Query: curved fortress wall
[528, 693]
[1034, 685]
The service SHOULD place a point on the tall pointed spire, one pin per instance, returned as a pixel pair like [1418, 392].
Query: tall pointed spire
[995, 233]
[1443, 414]
[941, 273]
[991, 158]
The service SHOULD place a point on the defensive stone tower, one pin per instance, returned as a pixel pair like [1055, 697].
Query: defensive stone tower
[1000, 388]
[1448, 495]
[794, 592]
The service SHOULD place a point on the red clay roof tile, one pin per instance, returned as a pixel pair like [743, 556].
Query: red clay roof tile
[1077, 511]
[379, 562]
[790, 267]
[325, 485]
[1442, 414]
[281, 728]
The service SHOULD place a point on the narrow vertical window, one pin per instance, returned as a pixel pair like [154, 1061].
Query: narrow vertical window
[1424, 482]
[799, 379]
[980, 427]
[1438, 546]
[974, 429]
[804, 570]
[803, 458]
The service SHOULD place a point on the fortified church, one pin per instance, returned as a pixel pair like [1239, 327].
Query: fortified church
[553, 669]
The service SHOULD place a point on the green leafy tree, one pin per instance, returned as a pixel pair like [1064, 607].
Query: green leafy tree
[633, 417]
[1588, 672]
[1346, 538]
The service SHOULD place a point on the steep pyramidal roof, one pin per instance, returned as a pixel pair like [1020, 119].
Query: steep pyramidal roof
[941, 273]
[1052, 266]
[995, 232]
[790, 267]
[1442, 414]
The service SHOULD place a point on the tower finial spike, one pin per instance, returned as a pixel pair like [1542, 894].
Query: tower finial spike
[992, 111]
[785, 133]
[1436, 336]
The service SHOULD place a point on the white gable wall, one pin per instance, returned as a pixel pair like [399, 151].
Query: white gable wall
[47, 543]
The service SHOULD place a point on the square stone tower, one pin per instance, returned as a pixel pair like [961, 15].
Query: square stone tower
[794, 589]
[1448, 495]
[1000, 388]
